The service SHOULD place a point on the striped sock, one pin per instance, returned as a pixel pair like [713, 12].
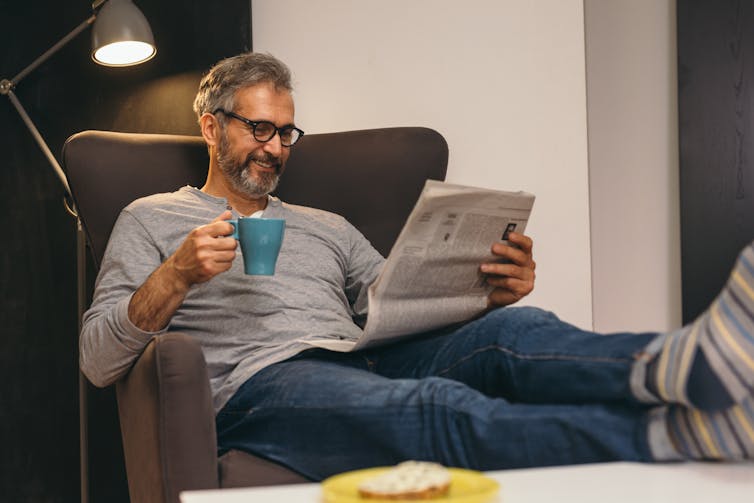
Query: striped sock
[709, 364]
[720, 435]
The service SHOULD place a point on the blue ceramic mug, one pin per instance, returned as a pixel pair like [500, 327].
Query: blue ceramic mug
[260, 240]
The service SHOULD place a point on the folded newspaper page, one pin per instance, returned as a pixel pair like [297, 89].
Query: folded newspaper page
[431, 278]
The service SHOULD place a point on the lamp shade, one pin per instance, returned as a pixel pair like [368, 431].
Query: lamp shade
[121, 35]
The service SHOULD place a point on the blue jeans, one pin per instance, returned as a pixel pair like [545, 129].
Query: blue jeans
[515, 388]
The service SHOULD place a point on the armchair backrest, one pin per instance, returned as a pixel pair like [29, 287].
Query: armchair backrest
[371, 177]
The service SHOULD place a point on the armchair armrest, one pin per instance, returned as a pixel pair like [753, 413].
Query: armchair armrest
[167, 421]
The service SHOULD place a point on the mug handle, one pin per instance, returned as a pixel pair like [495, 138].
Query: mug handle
[234, 223]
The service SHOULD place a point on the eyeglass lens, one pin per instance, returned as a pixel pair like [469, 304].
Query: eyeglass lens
[264, 131]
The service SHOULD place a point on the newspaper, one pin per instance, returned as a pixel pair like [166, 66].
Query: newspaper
[431, 278]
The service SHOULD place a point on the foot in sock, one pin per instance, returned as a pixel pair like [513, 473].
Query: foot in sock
[722, 435]
[709, 364]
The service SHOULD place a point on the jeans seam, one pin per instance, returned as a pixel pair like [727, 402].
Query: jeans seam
[239, 412]
[521, 356]
[446, 405]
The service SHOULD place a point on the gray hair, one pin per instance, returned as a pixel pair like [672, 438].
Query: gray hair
[218, 88]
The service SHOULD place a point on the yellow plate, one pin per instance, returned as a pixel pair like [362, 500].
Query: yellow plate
[466, 486]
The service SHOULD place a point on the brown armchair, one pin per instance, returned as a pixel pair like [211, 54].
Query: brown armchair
[372, 177]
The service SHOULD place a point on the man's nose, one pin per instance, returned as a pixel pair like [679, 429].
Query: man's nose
[274, 146]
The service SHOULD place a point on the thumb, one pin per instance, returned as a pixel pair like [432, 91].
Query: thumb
[225, 215]
[215, 230]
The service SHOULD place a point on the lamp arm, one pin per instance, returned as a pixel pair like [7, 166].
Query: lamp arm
[41, 142]
[52, 50]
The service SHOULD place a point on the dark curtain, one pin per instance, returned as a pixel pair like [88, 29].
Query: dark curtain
[715, 79]
[39, 406]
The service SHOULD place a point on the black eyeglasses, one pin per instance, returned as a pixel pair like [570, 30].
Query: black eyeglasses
[264, 131]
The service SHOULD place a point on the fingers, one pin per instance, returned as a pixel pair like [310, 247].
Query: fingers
[215, 236]
[518, 287]
[520, 254]
[219, 231]
[211, 264]
[501, 297]
[519, 281]
[508, 290]
[524, 242]
[511, 283]
[216, 256]
[517, 261]
[512, 278]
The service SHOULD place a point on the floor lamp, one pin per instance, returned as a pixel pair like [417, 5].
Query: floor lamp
[121, 36]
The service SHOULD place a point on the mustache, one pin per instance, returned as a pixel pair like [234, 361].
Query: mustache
[275, 162]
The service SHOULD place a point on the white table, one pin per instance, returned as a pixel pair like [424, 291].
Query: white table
[596, 483]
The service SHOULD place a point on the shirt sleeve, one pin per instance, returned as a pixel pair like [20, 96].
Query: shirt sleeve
[364, 265]
[109, 342]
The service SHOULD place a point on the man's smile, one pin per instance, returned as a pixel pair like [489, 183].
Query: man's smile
[268, 165]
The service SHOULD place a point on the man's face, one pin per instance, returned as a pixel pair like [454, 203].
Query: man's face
[253, 168]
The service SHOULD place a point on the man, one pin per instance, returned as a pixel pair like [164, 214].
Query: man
[516, 387]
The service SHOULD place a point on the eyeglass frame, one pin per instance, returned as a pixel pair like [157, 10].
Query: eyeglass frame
[253, 126]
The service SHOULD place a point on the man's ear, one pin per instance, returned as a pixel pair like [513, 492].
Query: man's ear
[210, 129]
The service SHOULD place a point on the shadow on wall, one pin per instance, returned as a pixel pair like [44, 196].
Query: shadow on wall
[166, 101]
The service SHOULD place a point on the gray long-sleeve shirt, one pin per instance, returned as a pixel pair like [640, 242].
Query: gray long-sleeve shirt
[243, 323]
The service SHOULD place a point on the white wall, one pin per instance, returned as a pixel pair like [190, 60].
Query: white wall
[633, 161]
[502, 80]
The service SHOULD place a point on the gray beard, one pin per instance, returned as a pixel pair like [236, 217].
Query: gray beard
[238, 173]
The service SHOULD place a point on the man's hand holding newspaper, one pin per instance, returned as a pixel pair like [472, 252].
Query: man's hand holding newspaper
[435, 274]
[513, 276]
